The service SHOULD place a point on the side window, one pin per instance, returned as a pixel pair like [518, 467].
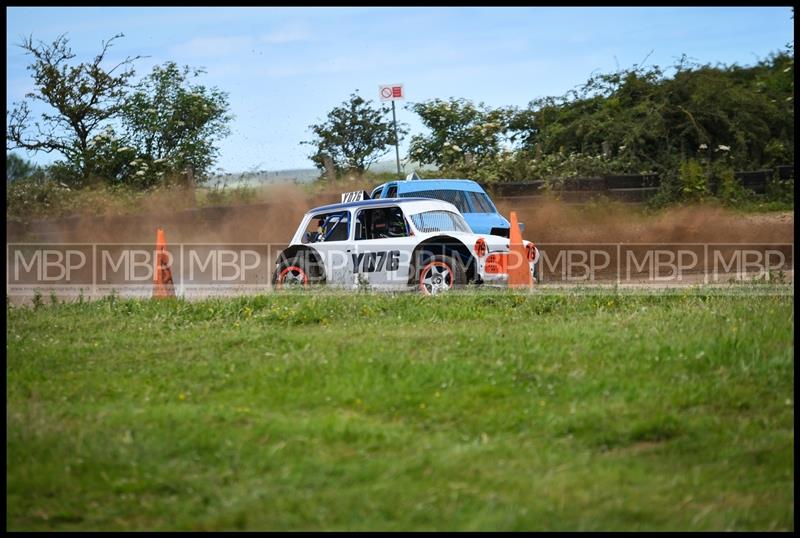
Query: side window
[327, 227]
[380, 223]
[392, 193]
[376, 193]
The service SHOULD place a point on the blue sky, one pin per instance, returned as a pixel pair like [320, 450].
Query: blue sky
[285, 68]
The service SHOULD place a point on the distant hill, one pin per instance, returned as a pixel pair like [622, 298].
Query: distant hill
[390, 165]
[298, 175]
[263, 177]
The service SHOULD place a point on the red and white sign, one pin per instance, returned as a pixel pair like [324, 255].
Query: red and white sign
[392, 92]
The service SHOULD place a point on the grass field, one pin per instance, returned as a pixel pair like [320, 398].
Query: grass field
[503, 410]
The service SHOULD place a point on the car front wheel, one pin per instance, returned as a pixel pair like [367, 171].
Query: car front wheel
[438, 274]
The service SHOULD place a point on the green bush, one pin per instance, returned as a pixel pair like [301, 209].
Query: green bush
[730, 191]
[45, 198]
[693, 180]
[521, 166]
[26, 198]
[781, 191]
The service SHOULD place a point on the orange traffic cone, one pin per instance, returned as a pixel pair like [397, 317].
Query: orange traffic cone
[162, 280]
[519, 272]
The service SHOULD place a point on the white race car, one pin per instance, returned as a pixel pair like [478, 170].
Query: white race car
[398, 243]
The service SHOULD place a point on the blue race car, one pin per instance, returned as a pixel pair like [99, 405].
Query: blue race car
[470, 199]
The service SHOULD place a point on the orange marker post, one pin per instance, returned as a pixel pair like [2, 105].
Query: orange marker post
[162, 280]
[519, 273]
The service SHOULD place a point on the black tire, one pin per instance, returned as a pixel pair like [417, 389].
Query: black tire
[299, 271]
[436, 273]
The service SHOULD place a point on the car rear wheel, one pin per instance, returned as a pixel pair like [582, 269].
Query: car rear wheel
[291, 276]
[438, 274]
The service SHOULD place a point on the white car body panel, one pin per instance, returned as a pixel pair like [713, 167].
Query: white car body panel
[348, 261]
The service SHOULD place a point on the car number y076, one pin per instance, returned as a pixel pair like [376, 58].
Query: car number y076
[370, 262]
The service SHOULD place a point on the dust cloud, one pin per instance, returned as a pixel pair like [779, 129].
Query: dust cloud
[275, 213]
[553, 221]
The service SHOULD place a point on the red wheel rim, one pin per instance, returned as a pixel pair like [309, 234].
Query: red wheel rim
[435, 277]
[295, 274]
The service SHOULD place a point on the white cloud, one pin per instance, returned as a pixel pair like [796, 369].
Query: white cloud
[340, 64]
[221, 46]
[204, 47]
[288, 34]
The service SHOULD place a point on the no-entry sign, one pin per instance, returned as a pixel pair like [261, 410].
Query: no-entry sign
[392, 92]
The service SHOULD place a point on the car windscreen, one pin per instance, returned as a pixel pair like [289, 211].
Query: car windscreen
[478, 201]
[457, 198]
[440, 221]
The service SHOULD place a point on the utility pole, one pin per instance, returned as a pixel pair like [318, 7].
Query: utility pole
[396, 140]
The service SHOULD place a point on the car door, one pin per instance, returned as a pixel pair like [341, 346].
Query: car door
[382, 247]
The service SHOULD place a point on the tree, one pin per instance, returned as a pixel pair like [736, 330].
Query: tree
[81, 98]
[173, 124]
[354, 136]
[18, 168]
[462, 136]
[638, 119]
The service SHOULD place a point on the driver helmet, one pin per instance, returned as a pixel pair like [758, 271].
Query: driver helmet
[379, 224]
[397, 226]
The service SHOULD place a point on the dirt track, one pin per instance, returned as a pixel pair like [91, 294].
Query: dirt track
[546, 222]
